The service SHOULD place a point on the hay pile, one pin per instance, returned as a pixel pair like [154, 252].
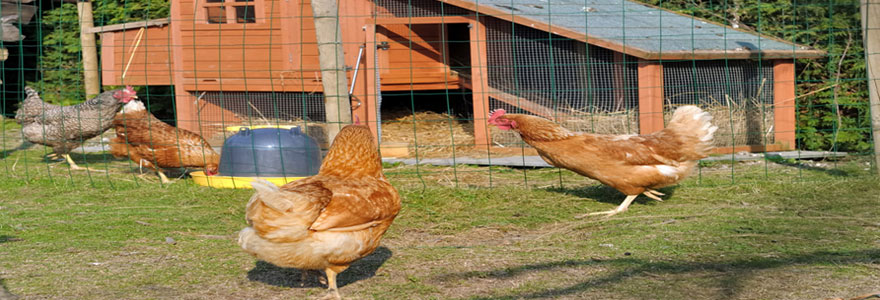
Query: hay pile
[431, 134]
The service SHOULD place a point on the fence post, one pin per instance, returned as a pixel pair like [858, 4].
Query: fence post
[92, 80]
[870, 30]
[331, 57]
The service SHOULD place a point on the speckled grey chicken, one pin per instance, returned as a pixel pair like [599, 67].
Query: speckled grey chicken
[66, 127]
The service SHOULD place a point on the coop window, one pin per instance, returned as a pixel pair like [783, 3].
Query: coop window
[222, 11]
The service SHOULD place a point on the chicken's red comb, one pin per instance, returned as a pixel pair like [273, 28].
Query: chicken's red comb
[496, 113]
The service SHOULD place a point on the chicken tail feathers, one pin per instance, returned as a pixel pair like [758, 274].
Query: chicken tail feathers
[30, 107]
[694, 122]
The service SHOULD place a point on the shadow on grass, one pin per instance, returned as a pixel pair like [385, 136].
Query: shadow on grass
[364, 268]
[606, 194]
[25, 145]
[733, 271]
[4, 293]
[8, 239]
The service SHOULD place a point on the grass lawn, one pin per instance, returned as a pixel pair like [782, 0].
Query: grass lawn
[744, 231]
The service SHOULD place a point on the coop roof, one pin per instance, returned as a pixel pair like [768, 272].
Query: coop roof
[638, 29]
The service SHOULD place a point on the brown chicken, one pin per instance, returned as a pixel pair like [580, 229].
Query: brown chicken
[327, 221]
[151, 143]
[631, 164]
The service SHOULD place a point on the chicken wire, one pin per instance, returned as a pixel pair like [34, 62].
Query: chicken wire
[587, 88]
[416, 8]
[738, 94]
[273, 106]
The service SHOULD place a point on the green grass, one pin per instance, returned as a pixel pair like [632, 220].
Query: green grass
[761, 230]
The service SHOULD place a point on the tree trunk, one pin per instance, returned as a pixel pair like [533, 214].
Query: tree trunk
[89, 49]
[329, 38]
[870, 30]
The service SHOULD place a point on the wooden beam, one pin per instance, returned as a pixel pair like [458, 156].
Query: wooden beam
[183, 101]
[368, 103]
[131, 25]
[480, 83]
[784, 120]
[420, 20]
[650, 96]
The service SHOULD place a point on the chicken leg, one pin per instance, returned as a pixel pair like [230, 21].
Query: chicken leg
[331, 282]
[162, 176]
[74, 166]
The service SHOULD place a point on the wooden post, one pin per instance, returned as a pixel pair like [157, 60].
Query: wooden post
[650, 96]
[480, 84]
[367, 110]
[870, 30]
[332, 59]
[784, 103]
[92, 78]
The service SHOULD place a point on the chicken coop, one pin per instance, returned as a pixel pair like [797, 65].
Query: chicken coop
[605, 66]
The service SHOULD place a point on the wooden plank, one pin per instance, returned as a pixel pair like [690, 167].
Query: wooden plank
[108, 62]
[784, 121]
[419, 20]
[254, 85]
[183, 100]
[420, 86]
[370, 101]
[650, 96]
[480, 83]
[521, 102]
[131, 25]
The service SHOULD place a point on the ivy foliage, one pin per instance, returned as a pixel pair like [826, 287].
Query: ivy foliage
[832, 109]
[61, 77]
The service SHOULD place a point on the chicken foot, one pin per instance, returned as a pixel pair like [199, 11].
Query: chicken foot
[653, 194]
[622, 208]
[162, 177]
[74, 166]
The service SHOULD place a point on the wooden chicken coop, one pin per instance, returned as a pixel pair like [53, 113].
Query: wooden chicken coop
[614, 61]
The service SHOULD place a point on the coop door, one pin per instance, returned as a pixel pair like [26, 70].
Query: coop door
[413, 56]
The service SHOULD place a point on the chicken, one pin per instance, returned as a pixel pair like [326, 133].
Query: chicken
[326, 221]
[631, 164]
[66, 127]
[151, 143]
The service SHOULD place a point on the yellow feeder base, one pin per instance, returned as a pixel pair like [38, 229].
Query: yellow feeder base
[230, 182]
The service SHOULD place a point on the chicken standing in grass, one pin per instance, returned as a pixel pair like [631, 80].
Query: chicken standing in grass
[631, 164]
[327, 221]
[151, 143]
[65, 128]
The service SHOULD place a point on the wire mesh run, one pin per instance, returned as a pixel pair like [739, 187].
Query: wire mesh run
[584, 87]
[271, 106]
[738, 94]
[416, 8]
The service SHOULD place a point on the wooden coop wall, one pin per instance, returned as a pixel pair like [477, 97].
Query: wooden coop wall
[140, 56]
